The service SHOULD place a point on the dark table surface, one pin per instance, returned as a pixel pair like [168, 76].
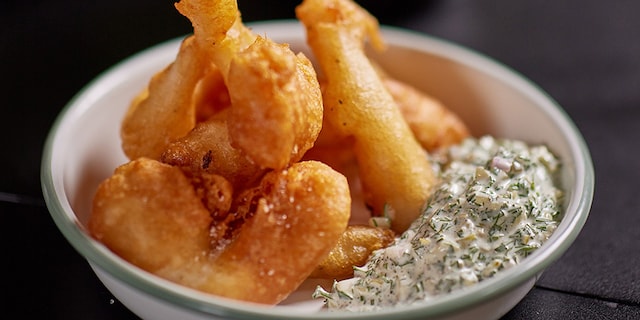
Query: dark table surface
[585, 54]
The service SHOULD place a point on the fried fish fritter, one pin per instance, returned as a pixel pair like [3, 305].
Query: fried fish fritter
[395, 170]
[149, 214]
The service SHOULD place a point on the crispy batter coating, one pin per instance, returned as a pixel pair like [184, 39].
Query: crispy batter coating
[353, 249]
[431, 123]
[215, 193]
[276, 112]
[207, 148]
[211, 95]
[218, 29]
[277, 115]
[164, 111]
[149, 214]
[395, 170]
[302, 213]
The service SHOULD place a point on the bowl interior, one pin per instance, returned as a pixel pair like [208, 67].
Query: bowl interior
[84, 145]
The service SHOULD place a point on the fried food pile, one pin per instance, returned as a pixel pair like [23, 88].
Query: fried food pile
[246, 165]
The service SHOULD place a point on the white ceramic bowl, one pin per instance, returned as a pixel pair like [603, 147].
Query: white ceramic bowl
[83, 148]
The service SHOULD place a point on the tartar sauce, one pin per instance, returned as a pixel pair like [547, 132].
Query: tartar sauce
[496, 202]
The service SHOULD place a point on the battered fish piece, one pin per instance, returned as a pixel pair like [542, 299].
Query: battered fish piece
[353, 249]
[276, 112]
[433, 125]
[300, 217]
[149, 214]
[207, 148]
[276, 103]
[164, 111]
[394, 168]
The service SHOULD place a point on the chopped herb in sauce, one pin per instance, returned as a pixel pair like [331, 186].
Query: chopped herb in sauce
[496, 203]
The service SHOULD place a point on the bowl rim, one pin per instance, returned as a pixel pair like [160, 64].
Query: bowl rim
[98, 254]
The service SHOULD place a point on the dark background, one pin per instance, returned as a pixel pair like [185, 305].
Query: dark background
[585, 54]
